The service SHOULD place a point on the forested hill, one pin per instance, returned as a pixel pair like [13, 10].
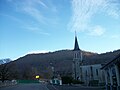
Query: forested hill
[61, 60]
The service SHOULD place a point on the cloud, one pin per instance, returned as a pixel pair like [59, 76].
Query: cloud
[29, 7]
[36, 30]
[84, 10]
[13, 18]
[37, 9]
[43, 4]
[32, 28]
[97, 31]
[115, 36]
[35, 13]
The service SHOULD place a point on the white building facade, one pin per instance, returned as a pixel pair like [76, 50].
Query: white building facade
[112, 74]
[92, 74]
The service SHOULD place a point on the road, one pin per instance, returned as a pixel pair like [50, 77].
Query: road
[66, 87]
[45, 87]
[32, 86]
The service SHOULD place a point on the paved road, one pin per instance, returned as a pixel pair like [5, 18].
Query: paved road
[45, 87]
[26, 87]
[51, 87]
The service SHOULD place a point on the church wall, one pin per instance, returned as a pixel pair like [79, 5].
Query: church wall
[92, 72]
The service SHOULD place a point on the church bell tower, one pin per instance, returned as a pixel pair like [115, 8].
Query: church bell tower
[77, 61]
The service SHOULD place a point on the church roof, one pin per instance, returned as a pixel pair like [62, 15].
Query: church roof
[76, 46]
[114, 61]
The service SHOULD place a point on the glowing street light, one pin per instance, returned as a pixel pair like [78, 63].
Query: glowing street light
[37, 76]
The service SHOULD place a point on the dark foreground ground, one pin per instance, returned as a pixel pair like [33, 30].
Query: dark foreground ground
[46, 87]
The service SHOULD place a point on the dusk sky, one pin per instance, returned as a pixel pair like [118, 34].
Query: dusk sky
[34, 26]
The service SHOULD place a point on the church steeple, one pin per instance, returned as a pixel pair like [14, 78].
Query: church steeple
[76, 46]
[77, 59]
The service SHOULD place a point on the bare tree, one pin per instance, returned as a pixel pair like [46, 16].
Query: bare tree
[4, 72]
[7, 71]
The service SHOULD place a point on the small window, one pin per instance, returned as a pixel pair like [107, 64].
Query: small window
[91, 69]
[86, 73]
[97, 72]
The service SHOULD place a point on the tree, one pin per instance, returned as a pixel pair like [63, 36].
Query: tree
[4, 72]
[67, 79]
[7, 72]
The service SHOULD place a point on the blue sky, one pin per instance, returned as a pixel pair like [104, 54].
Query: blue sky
[34, 26]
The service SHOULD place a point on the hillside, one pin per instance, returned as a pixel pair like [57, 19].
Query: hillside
[60, 60]
[28, 66]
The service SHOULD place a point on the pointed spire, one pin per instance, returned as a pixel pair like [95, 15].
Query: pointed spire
[75, 34]
[76, 46]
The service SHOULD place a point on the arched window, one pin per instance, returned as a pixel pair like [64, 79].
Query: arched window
[97, 72]
[91, 69]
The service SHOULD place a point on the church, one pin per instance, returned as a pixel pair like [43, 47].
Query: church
[89, 74]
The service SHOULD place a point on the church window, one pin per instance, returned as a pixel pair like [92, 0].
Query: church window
[91, 69]
[75, 55]
[97, 72]
[86, 73]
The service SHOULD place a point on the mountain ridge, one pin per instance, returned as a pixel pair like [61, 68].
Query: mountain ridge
[42, 63]
[3, 61]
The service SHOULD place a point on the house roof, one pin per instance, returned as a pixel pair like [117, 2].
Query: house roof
[114, 61]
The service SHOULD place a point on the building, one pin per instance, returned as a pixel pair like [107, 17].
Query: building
[90, 74]
[112, 74]
[77, 61]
